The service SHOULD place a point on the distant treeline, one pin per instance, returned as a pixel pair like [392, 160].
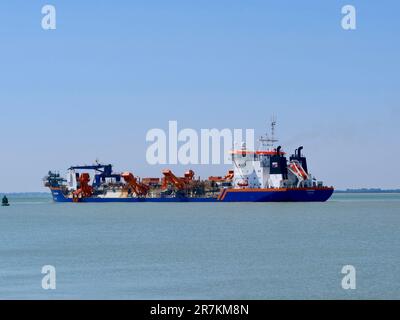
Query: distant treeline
[370, 190]
[25, 194]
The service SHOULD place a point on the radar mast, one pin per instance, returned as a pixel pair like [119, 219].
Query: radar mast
[268, 141]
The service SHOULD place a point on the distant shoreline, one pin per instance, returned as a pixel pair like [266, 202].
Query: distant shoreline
[25, 194]
[365, 190]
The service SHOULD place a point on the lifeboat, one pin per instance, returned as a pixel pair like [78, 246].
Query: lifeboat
[243, 183]
[298, 170]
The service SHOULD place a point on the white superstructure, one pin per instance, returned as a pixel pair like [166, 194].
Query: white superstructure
[268, 167]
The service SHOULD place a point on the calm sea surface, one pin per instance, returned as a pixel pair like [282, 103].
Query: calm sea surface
[202, 251]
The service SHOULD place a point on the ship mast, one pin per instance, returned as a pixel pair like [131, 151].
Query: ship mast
[268, 141]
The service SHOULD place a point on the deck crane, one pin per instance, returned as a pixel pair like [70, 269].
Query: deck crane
[136, 186]
[85, 190]
[189, 175]
[178, 183]
[228, 177]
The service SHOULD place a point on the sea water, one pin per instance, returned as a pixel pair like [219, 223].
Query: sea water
[201, 251]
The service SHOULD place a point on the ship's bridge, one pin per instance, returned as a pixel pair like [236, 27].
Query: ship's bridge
[252, 169]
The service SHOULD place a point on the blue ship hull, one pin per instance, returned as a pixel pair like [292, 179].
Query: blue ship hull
[226, 195]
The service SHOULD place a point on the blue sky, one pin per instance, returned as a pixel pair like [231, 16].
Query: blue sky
[112, 70]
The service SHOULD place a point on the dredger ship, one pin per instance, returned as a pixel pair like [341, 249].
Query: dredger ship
[265, 175]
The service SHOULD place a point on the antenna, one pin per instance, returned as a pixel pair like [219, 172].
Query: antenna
[269, 140]
[273, 125]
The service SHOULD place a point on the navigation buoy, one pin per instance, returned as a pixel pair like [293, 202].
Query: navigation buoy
[4, 202]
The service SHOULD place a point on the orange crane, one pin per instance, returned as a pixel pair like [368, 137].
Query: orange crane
[178, 183]
[229, 176]
[189, 175]
[136, 186]
[84, 190]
